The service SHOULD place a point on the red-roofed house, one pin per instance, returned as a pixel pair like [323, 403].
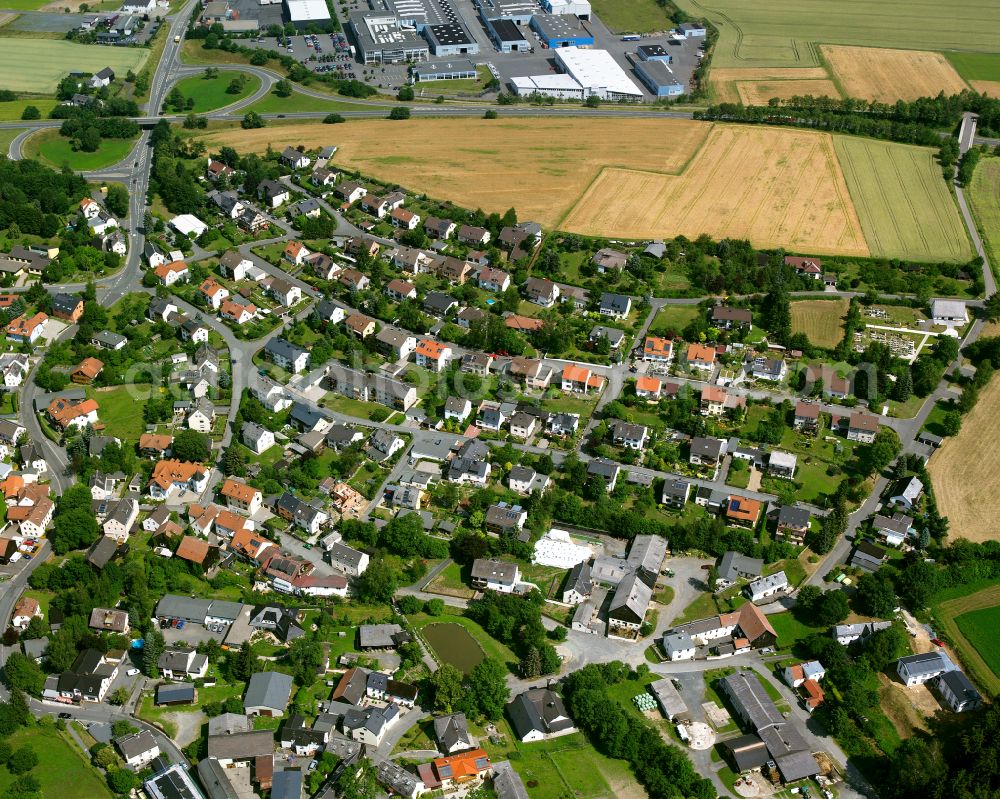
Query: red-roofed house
[433, 355]
[580, 379]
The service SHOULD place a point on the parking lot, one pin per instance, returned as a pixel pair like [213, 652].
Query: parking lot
[193, 634]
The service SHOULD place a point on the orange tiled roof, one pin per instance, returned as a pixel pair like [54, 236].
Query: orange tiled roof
[646, 383]
[238, 490]
[577, 374]
[63, 412]
[430, 349]
[699, 352]
[90, 367]
[658, 346]
[153, 441]
[713, 394]
[163, 270]
[167, 472]
[22, 326]
[743, 509]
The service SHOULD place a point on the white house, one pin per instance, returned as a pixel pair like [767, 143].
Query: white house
[949, 313]
[140, 748]
[678, 646]
[918, 669]
[764, 587]
[257, 438]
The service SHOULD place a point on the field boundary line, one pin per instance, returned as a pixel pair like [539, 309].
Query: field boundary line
[947, 613]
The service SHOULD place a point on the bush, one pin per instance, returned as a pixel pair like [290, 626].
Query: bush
[490, 114]
[22, 760]
[30, 112]
[400, 112]
[333, 119]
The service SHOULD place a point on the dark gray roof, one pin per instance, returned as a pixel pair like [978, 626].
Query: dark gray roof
[270, 689]
[960, 686]
[630, 600]
[794, 517]
[751, 700]
[618, 303]
[735, 564]
[452, 732]
[174, 692]
[747, 752]
[539, 709]
[580, 580]
[287, 784]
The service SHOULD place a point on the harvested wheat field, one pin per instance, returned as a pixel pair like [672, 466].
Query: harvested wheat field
[759, 92]
[821, 320]
[991, 88]
[724, 82]
[964, 471]
[876, 73]
[775, 187]
[538, 166]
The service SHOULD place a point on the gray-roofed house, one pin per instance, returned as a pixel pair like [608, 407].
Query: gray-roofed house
[507, 783]
[452, 734]
[267, 694]
[868, 556]
[617, 306]
[793, 524]
[629, 604]
[138, 749]
[958, 691]
[579, 584]
[606, 470]
[495, 575]
[381, 636]
[735, 565]
[539, 713]
[287, 784]
[921, 668]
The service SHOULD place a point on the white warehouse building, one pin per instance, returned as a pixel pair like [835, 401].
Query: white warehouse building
[582, 72]
[580, 8]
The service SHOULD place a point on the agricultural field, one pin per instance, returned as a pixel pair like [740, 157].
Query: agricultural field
[984, 198]
[773, 187]
[784, 33]
[964, 471]
[210, 94]
[904, 205]
[727, 84]
[632, 16]
[877, 73]
[37, 65]
[976, 67]
[475, 169]
[821, 321]
[57, 150]
[970, 623]
[760, 92]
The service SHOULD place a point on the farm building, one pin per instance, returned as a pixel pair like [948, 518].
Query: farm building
[659, 78]
[459, 69]
[562, 30]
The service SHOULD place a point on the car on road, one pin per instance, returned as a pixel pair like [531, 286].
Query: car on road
[65, 715]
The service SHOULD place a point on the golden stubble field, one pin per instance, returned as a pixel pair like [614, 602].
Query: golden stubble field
[964, 470]
[538, 166]
[877, 73]
[732, 84]
[821, 320]
[774, 187]
[760, 92]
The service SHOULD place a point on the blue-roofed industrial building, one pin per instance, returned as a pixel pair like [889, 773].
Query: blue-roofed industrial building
[659, 78]
[561, 31]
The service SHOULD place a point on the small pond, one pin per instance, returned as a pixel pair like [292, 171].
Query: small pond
[454, 645]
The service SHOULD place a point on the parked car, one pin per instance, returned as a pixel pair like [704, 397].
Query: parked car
[131, 672]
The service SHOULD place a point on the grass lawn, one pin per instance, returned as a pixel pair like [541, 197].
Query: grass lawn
[56, 150]
[908, 409]
[210, 93]
[351, 407]
[702, 607]
[673, 319]
[632, 16]
[561, 767]
[790, 630]
[7, 135]
[217, 693]
[63, 770]
[297, 102]
[452, 581]
[11, 112]
[121, 410]
[192, 52]
[739, 474]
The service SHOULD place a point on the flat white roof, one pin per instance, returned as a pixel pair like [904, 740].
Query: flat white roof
[188, 224]
[552, 81]
[307, 10]
[596, 69]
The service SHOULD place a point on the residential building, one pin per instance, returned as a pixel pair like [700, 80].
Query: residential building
[868, 556]
[495, 575]
[862, 427]
[616, 306]
[764, 587]
[772, 369]
[138, 749]
[288, 356]
[630, 436]
[267, 694]
[537, 714]
[240, 496]
[541, 292]
[628, 605]
[921, 668]
[700, 356]
[580, 379]
[793, 525]
[727, 318]
[171, 476]
[183, 664]
[433, 355]
[806, 416]
[350, 561]
[958, 691]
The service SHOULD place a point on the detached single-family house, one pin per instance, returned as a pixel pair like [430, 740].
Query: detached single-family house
[700, 356]
[617, 306]
[294, 159]
[495, 575]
